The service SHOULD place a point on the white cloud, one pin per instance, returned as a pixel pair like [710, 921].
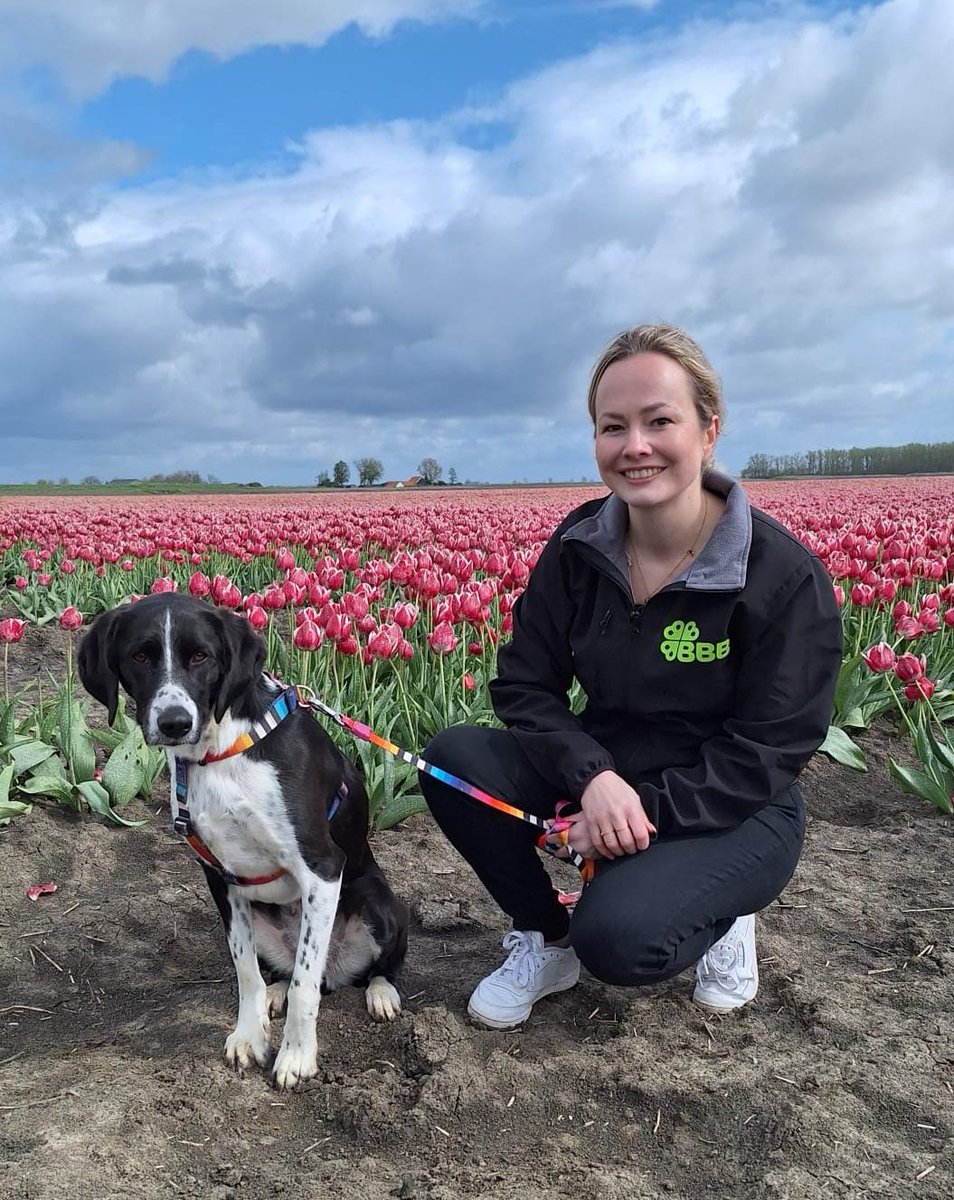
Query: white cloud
[90, 43]
[781, 188]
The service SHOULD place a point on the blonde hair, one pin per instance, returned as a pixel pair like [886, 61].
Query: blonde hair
[676, 344]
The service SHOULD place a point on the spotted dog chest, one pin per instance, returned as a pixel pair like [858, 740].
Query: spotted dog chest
[237, 810]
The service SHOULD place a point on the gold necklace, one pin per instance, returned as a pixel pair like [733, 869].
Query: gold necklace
[632, 559]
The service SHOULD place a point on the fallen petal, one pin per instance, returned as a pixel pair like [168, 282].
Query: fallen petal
[40, 889]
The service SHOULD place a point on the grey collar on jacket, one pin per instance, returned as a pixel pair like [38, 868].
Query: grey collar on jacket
[720, 566]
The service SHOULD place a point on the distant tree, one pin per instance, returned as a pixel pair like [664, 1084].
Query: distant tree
[430, 470]
[369, 470]
[64, 481]
[323, 480]
[452, 475]
[91, 480]
[212, 479]
[340, 473]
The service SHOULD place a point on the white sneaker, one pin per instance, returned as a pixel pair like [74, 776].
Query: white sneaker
[503, 999]
[727, 975]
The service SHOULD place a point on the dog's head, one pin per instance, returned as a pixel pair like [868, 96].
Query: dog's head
[183, 662]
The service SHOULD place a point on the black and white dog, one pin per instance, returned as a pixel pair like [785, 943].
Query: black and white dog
[280, 828]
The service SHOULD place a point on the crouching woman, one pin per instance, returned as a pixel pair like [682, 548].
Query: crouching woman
[707, 641]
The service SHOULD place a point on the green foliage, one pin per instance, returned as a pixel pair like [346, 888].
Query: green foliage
[839, 747]
[913, 458]
[51, 754]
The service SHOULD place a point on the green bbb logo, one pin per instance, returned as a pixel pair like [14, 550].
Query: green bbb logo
[681, 644]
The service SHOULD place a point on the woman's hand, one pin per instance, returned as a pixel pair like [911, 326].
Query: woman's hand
[613, 821]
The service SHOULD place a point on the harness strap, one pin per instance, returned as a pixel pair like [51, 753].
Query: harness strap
[285, 704]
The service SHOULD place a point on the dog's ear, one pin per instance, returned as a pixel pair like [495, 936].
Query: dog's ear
[243, 657]
[97, 663]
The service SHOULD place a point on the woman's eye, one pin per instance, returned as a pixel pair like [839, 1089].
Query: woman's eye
[198, 657]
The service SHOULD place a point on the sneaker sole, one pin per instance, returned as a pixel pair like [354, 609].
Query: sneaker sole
[710, 1006]
[494, 1023]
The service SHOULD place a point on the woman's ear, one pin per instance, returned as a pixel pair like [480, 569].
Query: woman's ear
[242, 656]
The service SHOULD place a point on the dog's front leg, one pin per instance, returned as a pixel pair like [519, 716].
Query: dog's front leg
[249, 1039]
[298, 1054]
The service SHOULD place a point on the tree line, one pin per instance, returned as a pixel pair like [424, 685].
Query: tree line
[369, 471]
[914, 458]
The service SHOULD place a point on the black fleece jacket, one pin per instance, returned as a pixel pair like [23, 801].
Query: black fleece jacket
[709, 699]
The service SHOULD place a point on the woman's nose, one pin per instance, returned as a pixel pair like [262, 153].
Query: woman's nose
[637, 442]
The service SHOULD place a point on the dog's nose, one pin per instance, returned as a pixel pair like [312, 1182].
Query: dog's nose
[175, 722]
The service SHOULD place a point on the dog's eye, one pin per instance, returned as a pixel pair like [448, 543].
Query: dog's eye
[199, 656]
[139, 656]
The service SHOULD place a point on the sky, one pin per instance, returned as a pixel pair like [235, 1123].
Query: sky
[250, 239]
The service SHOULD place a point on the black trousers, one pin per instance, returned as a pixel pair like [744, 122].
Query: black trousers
[645, 917]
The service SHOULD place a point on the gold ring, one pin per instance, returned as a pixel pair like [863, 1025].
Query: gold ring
[621, 828]
[604, 833]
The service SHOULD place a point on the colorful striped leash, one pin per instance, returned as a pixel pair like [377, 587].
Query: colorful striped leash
[554, 831]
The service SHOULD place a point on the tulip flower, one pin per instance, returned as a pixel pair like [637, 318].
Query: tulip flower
[257, 617]
[908, 627]
[880, 657]
[164, 584]
[307, 636]
[469, 681]
[443, 640]
[919, 689]
[199, 585]
[910, 667]
[11, 629]
[71, 618]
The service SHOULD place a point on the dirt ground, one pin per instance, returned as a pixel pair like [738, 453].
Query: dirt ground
[116, 994]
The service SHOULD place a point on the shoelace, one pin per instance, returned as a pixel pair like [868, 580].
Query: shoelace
[523, 962]
[721, 961]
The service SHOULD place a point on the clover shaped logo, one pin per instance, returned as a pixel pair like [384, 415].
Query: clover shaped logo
[679, 640]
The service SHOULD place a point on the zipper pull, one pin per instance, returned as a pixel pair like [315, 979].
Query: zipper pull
[636, 617]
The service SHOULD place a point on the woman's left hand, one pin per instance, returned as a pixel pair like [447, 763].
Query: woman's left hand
[612, 822]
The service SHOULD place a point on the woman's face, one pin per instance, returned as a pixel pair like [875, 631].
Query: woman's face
[650, 444]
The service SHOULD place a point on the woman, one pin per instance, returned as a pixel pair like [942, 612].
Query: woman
[707, 641]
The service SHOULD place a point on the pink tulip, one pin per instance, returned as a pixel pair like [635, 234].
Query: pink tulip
[307, 636]
[929, 620]
[910, 667]
[11, 629]
[443, 640]
[164, 584]
[71, 618]
[257, 617]
[919, 689]
[880, 657]
[199, 585]
[908, 627]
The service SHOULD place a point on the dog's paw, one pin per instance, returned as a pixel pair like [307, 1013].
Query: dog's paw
[383, 999]
[294, 1065]
[246, 1045]
[276, 998]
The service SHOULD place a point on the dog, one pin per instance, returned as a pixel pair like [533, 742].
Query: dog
[280, 828]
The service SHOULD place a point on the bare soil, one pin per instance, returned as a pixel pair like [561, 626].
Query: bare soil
[116, 994]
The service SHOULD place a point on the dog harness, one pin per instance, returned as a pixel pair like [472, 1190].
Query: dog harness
[282, 706]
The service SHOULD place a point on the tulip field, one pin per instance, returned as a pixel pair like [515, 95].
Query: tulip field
[117, 989]
[391, 607]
